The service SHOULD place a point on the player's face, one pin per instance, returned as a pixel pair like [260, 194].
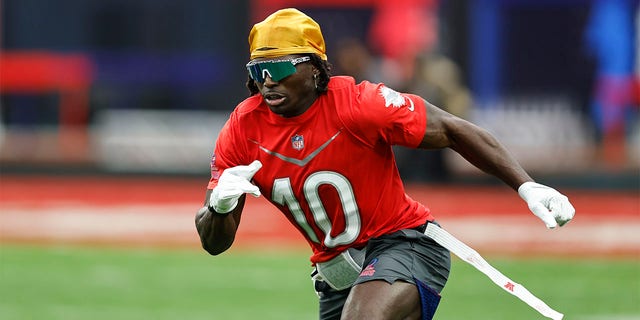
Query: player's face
[294, 90]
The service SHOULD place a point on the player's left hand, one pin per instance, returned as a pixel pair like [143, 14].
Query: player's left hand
[552, 207]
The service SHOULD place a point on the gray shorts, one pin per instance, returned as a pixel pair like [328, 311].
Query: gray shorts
[405, 255]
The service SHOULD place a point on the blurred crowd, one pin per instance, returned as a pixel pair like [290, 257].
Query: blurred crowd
[65, 74]
[407, 56]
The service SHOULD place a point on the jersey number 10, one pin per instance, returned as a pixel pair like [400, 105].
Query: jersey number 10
[283, 195]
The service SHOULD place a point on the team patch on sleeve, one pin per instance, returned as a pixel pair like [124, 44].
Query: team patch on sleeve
[395, 99]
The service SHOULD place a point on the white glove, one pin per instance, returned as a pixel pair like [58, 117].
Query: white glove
[552, 207]
[233, 183]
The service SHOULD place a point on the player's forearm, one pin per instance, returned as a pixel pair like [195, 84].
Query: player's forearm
[485, 152]
[217, 231]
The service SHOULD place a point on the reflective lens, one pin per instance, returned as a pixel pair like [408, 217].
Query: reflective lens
[275, 69]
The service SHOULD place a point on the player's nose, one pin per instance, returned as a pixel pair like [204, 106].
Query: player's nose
[268, 82]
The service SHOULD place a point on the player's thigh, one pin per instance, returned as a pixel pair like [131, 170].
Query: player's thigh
[379, 299]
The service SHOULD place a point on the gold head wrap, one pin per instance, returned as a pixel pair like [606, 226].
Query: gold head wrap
[285, 32]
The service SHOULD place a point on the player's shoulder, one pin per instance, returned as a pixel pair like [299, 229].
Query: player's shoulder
[243, 117]
[246, 110]
[348, 84]
[240, 122]
[351, 103]
[341, 83]
[351, 98]
[248, 105]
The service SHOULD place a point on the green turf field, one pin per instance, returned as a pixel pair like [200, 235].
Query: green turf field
[97, 283]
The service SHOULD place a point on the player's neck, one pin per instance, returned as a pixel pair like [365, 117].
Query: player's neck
[303, 105]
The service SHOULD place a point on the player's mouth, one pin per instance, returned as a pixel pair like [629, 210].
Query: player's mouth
[274, 99]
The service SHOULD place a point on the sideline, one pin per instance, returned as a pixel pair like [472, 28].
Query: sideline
[154, 211]
[262, 227]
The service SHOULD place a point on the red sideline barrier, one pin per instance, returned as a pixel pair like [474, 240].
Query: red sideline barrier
[160, 212]
[443, 200]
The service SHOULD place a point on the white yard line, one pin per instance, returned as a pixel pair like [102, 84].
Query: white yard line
[174, 224]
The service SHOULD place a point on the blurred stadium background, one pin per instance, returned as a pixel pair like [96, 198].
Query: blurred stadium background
[109, 111]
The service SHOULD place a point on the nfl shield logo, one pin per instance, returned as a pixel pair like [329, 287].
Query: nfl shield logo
[297, 142]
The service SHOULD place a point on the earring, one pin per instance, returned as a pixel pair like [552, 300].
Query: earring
[315, 80]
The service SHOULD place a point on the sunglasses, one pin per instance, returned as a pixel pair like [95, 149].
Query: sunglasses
[275, 69]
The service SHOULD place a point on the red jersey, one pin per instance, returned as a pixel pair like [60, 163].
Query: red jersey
[331, 170]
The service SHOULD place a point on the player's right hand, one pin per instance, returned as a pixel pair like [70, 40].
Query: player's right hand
[233, 183]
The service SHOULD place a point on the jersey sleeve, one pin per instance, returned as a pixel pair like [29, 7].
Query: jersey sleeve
[226, 151]
[383, 115]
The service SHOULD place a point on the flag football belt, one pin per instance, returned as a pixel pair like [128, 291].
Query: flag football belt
[472, 257]
[342, 271]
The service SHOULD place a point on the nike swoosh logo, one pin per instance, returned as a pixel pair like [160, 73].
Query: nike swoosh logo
[295, 161]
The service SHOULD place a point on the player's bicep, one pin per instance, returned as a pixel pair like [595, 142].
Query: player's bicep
[437, 133]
